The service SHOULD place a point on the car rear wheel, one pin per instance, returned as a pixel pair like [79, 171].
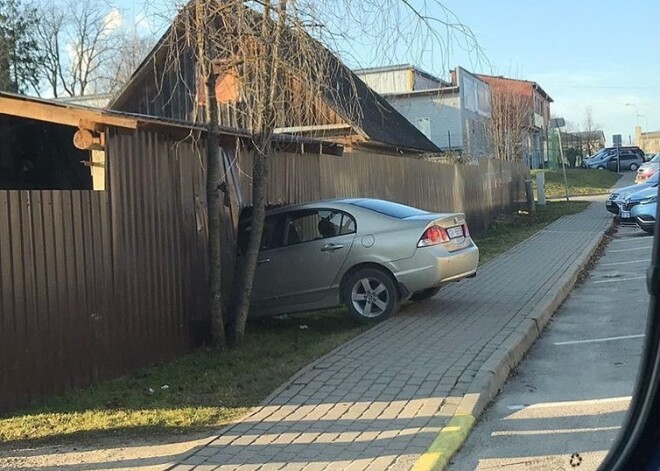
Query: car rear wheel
[424, 294]
[634, 167]
[600, 167]
[370, 295]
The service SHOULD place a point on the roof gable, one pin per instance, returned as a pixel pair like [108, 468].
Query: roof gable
[346, 95]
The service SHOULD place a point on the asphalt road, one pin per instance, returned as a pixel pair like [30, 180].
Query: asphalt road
[571, 393]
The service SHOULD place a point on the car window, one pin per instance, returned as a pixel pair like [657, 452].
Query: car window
[271, 238]
[315, 224]
[395, 210]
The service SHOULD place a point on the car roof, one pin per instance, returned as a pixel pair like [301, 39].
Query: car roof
[319, 204]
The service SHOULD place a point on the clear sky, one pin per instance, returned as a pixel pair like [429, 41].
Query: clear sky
[601, 54]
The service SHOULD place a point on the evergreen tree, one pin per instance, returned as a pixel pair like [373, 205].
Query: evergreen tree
[19, 53]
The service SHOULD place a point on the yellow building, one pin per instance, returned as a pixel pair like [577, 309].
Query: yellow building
[649, 142]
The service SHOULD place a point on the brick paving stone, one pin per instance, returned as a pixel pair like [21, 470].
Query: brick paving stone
[378, 401]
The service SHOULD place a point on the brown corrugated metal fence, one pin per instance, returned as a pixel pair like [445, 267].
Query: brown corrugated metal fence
[97, 284]
[482, 191]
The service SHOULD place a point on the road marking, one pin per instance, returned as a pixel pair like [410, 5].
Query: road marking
[605, 339]
[625, 263]
[512, 433]
[629, 239]
[446, 444]
[649, 247]
[588, 402]
[613, 280]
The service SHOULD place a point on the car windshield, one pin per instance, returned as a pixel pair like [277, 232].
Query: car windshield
[388, 208]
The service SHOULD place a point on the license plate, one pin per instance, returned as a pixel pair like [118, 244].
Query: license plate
[625, 214]
[454, 232]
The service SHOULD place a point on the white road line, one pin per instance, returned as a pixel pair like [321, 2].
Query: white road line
[632, 239]
[646, 260]
[648, 247]
[614, 280]
[553, 405]
[604, 339]
[511, 433]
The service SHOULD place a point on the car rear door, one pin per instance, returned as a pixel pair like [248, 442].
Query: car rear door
[317, 242]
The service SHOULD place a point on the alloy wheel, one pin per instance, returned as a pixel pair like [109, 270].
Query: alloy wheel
[370, 297]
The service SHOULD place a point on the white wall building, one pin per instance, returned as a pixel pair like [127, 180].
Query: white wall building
[454, 115]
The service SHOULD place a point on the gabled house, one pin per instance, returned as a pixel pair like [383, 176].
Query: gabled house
[520, 116]
[348, 112]
[454, 115]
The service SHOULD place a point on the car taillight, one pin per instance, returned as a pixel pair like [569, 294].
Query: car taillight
[434, 235]
[466, 231]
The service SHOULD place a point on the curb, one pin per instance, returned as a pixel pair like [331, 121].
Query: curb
[495, 371]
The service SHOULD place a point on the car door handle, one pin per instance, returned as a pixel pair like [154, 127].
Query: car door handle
[263, 260]
[331, 247]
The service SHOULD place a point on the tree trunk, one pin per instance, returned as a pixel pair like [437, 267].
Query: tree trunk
[214, 200]
[245, 277]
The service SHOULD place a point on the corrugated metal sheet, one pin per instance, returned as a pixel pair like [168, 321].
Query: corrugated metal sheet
[481, 191]
[94, 285]
[55, 293]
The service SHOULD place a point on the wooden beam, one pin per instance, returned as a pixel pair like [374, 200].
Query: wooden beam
[61, 114]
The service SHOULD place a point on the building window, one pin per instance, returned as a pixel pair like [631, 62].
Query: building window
[424, 125]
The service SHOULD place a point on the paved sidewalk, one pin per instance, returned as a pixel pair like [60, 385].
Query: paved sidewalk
[380, 400]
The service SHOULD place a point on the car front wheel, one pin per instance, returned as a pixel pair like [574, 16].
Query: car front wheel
[370, 295]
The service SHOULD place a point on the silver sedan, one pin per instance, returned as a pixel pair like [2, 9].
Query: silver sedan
[368, 254]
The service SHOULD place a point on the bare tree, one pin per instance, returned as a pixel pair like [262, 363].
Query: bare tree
[590, 143]
[86, 47]
[510, 121]
[268, 64]
[50, 33]
[131, 49]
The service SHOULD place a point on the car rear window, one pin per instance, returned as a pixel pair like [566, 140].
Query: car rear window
[388, 208]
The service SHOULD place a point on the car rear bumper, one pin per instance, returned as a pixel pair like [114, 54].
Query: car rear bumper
[434, 266]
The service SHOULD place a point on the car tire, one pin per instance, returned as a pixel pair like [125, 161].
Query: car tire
[370, 295]
[600, 167]
[424, 294]
[633, 166]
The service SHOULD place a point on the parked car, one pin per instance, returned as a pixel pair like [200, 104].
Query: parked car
[597, 156]
[646, 196]
[368, 254]
[644, 214]
[617, 197]
[647, 169]
[631, 158]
